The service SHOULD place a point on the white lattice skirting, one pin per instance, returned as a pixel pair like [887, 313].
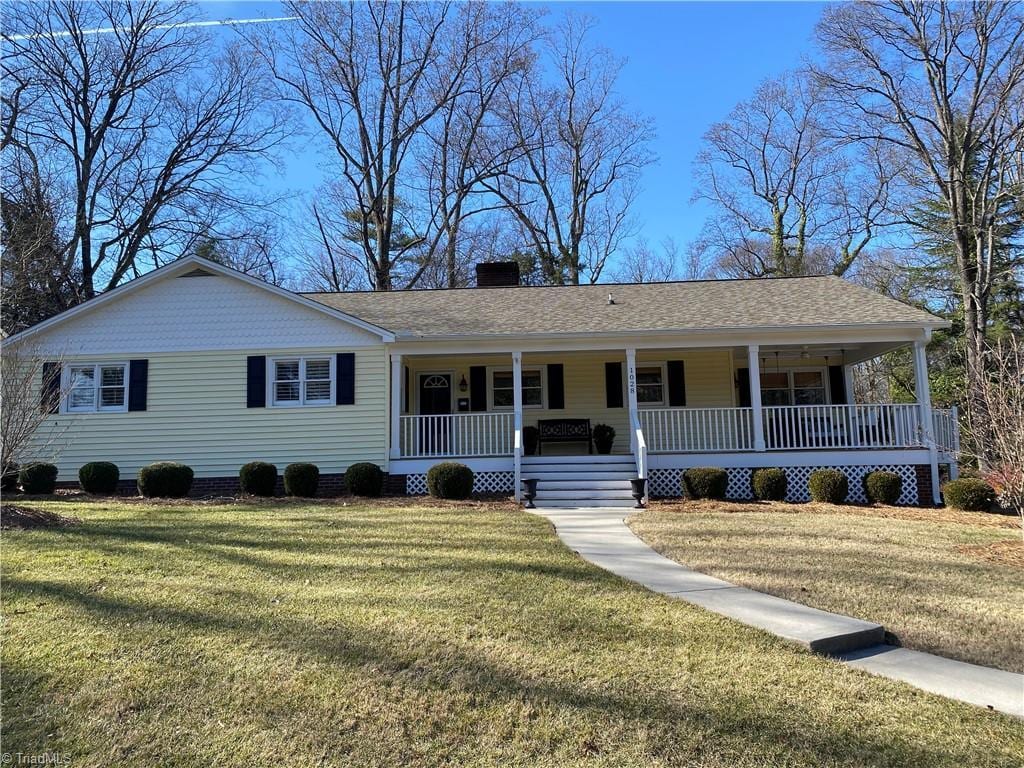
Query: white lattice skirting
[667, 482]
[483, 482]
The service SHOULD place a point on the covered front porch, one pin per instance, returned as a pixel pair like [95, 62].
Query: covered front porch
[669, 406]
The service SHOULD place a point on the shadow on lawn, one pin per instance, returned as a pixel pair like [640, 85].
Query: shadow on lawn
[440, 665]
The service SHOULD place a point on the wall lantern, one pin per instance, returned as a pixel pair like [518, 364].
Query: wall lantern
[463, 386]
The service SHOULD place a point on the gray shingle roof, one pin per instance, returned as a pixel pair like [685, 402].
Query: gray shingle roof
[681, 306]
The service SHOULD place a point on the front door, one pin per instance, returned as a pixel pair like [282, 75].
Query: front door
[435, 396]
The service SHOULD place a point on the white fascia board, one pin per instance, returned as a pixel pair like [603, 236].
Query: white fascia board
[854, 334]
[181, 265]
[805, 458]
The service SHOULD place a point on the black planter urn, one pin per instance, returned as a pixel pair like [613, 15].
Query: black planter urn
[530, 492]
[639, 486]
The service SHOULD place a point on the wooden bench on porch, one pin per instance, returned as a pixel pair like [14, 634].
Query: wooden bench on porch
[563, 431]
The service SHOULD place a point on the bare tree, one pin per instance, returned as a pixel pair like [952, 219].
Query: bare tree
[1002, 392]
[944, 84]
[644, 263]
[583, 151]
[382, 82]
[148, 130]
[27, 433]
[790, 197]
[468, 145]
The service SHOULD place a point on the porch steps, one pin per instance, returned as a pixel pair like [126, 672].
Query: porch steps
[581, 481]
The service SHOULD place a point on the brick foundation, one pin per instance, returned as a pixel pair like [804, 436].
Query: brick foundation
[331, 485]
[924, 485]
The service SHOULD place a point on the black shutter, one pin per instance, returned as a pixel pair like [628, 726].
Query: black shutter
[138, 382]
[676, 383]
[837, 384]
[556, 386]
[478, 388]
[49, 394]
[743, 384]
[613, 384]
[256, 381]
[346, 370]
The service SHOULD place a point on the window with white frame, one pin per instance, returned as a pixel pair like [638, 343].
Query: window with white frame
[95, 387]
[650, 385]
[502, 392]
[302, 381]
[793, 387]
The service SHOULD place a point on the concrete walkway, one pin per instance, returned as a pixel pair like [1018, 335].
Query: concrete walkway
[602, 537]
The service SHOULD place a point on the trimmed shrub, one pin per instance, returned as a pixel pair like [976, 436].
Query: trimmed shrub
[99, 477]
[9, 477]
[970, 494]
[450, 480]
[705, 483]
[257, 478]
[829, 485]
[769, 484]
[364, 479]
[165, 479]
[38, 478]
[883, 487]
[301, 479]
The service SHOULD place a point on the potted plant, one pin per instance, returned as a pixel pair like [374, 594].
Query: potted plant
[604, 437]
[530, 437]
[530, 491]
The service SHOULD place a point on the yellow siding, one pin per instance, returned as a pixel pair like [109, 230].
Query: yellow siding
[709, 383]
[196, 414]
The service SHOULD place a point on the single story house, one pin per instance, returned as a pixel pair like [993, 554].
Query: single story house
[198, 363]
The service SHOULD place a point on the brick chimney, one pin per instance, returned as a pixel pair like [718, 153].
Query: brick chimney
[493, 274]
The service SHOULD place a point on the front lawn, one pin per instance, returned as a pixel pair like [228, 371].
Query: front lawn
[942, 581]
[275, 634]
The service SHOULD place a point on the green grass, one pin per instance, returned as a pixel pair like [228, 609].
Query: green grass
[284, 634]
[913, 576]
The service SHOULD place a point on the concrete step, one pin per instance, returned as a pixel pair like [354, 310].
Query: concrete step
[582, 503]
[584, 493]
[582, 477]
[573, 484]
[612, 458]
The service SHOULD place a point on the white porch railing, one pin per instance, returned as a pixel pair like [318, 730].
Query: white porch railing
[456, 434]
[682, 430]
[890, 425]
[946, 425]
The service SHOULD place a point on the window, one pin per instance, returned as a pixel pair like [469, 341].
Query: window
[97, 387]
[650, 385]
[502, 394]
[798, 387]
[302, 381]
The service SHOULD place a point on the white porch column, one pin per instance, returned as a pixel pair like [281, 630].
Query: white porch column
[517, 422]
[754, 366]
[848, 383]
[924, 404]
[631, 399]
[397, 385]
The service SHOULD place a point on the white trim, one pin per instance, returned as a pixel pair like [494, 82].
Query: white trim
[542, 368]
[271, 378]
[65, 384]
[397, 385]
[806, 458]
[476, 463]
[185, 264]
[450, 373]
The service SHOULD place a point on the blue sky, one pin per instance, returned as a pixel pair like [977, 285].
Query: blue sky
[687, 65]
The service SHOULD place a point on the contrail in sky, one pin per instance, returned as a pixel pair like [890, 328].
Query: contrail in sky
[101, 30]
